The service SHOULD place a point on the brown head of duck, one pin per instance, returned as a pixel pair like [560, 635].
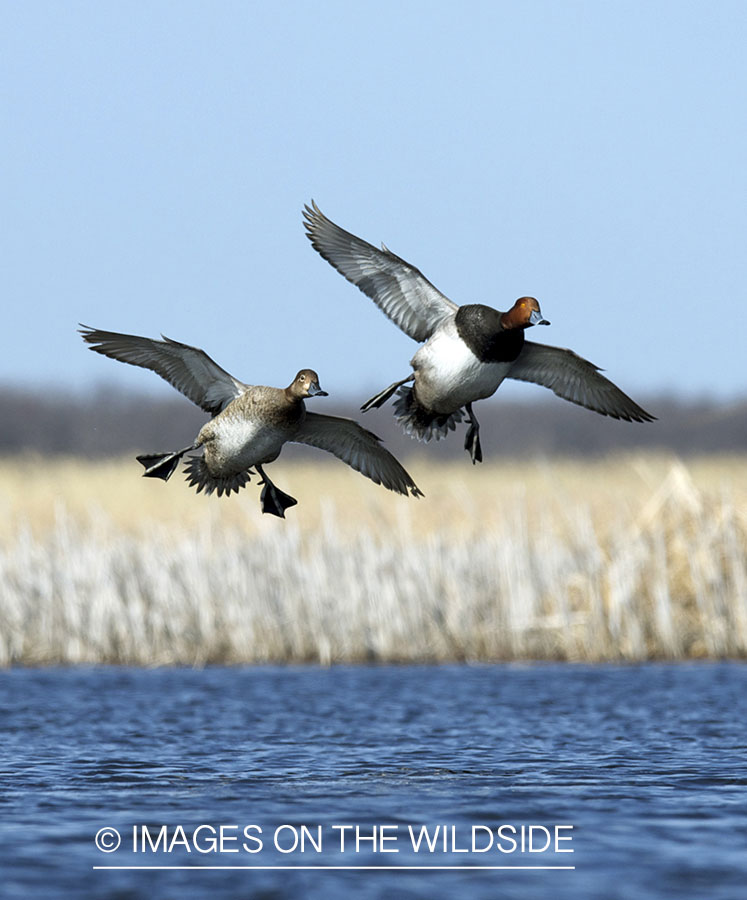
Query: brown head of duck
[524, 313]
[305, 384]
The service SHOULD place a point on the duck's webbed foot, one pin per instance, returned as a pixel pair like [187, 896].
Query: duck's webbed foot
[381, 398]
[161, 465]
[272, 499]
[472, 440]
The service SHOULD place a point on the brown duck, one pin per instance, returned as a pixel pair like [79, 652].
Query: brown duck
[250, 423]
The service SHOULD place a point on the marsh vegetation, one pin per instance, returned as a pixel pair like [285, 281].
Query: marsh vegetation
[641, 557]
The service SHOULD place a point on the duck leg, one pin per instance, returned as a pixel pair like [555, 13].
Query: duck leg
[381, 398]
[161, 465]
[273, 500]
[472, 440]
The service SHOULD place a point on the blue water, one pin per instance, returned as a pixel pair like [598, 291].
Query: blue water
[646, 764]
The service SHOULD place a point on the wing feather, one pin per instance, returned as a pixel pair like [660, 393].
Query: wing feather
[357, 447]
[575, 379]
[188, 369]
[400, 290]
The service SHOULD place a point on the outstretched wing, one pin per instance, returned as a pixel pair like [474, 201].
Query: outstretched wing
[188, 369]
[357, 447]
[400, 290]
[575, 379]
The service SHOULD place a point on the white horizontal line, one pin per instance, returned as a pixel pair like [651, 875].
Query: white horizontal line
[350, 868]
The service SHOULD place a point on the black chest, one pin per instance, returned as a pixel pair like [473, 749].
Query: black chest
[480, 328]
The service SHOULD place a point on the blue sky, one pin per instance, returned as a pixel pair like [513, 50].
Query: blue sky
[156, 157]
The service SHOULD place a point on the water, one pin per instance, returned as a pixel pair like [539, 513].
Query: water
[647, 764]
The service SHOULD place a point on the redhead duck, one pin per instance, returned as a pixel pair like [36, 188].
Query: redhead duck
[250, 423]
[467, 350]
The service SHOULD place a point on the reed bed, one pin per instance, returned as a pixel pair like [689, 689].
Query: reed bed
[627, 559]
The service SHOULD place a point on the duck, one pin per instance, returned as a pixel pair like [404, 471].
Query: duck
[467, 351]
[249, 424]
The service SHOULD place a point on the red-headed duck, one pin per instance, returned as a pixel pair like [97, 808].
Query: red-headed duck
[467, 350]
[250, 423]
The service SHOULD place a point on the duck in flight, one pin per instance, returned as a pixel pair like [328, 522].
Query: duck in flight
[250, 423]
[466, 352]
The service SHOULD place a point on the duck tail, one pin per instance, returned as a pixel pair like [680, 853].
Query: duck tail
[419, 422]
[199, 476]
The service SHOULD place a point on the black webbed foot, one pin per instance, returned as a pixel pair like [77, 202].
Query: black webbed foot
[161, 465]
[472, 439]
[381, 398]
[472, 444]
[275, 501]
[272, 499]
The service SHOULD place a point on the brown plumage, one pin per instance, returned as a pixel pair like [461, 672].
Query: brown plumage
[250, 423]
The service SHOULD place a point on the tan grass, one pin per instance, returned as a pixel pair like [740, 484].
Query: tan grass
[634, 558]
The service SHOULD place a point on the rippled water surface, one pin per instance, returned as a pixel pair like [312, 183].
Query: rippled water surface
[647, 764]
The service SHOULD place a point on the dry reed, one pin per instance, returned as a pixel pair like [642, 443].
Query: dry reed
[628, 559]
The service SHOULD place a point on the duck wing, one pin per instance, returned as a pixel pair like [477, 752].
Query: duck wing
[357, 447]
[188, 369]
[400, 290]
[575, 379]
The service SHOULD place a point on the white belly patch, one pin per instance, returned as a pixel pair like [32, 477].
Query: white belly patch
[448, 375]
[239, 444]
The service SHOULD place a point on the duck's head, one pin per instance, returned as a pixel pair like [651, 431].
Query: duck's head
[524, 313]
[305, 384]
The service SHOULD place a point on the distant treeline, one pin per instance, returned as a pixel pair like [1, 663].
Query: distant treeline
[111, 423]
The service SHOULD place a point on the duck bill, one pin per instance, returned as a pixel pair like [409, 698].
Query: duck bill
[316, 391]
[536, 318]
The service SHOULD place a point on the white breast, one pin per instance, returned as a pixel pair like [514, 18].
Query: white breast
[238, 444]
[448, 374]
